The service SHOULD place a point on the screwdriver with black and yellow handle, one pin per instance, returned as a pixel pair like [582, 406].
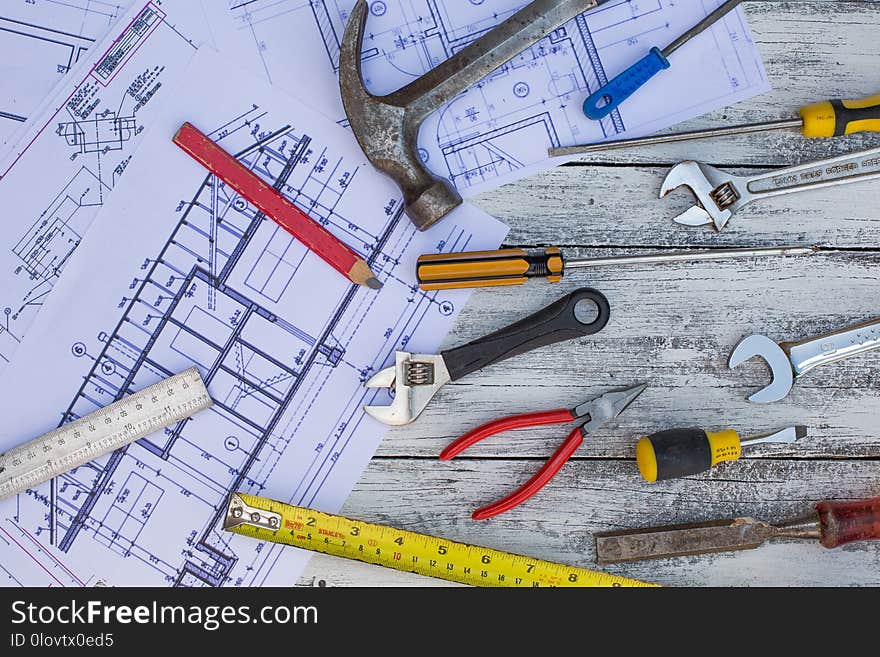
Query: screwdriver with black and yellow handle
[828, 118]
[447, 271]
[682, 452]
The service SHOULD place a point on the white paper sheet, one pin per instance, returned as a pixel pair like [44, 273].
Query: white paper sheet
[39, 43]
[500, 129]
[56, 178]
[179, 271]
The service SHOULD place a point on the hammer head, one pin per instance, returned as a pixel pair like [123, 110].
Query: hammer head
[781, 371]
[387, 129]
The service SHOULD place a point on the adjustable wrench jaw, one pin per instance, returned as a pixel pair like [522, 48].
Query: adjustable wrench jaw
[777, 359]
[415, 379]
[718, 194]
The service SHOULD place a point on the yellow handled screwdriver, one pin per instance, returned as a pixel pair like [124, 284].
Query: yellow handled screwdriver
[447, 271]
[682, 452]
[828, 118]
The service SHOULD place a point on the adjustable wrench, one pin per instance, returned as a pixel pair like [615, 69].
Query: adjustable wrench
[720, 194]
[789, 360]
[416, 378]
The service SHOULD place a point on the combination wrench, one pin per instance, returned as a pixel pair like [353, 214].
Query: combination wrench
[789, 360]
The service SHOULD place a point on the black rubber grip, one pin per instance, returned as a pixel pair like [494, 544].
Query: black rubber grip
[843, 116]
[681, 452]
[555, 323]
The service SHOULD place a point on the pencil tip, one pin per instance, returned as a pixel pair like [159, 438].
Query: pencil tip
[361, 274]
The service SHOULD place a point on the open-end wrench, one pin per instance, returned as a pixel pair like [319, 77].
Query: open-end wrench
[720, 194]
[789, 360]
[416, 378]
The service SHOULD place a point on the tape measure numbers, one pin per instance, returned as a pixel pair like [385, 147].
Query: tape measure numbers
[101, 432]
[276, 522]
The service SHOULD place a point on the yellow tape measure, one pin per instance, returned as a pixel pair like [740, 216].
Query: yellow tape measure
[276, 522]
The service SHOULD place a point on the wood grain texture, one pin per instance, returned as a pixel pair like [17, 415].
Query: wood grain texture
[588, 497]
[672, 326]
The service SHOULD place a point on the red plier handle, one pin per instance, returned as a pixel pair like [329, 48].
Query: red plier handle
[547, 471]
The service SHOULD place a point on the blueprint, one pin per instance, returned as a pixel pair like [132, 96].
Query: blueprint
[40, 41]
[180, 271]
[59, 174]
[500, 129]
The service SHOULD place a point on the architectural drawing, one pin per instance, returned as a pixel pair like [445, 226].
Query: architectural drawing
[500, 129]
[40, 42]
[283, 342]
[59, 175]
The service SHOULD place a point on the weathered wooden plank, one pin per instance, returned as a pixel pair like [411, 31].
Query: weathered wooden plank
[673, 326]
[589, 497]
[812, 50]
[620, 206]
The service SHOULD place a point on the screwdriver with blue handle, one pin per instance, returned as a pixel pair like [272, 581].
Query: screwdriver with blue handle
[677, 453]
[607, 98]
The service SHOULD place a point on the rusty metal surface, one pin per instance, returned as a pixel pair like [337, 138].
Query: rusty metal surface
[699, 538]
[387, 127]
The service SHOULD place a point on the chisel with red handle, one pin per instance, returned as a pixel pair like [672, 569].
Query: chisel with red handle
[834, 523]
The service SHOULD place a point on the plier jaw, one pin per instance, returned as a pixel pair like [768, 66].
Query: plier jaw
[590, 415]
[604, 408]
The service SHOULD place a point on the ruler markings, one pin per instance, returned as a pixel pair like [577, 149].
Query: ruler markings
[103, 431]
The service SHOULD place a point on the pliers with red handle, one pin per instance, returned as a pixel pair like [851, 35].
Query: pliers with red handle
[590, 415]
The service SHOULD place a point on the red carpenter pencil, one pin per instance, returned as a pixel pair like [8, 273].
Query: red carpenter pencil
[271, 203]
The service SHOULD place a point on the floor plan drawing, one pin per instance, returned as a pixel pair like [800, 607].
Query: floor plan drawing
[283, 342]
[60, 173]
[40, 42]
[500, 129]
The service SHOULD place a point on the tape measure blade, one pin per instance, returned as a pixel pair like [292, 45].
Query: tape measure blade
[102, 431]
[276, 522]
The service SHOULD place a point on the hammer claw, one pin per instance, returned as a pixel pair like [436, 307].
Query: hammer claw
[387, 127]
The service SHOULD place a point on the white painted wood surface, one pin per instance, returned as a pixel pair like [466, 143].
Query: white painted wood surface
[672, 326]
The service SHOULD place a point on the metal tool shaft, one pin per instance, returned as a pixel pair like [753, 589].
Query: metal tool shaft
[701, 538]
[787, 435]
[689, 256]
[475, 61]
[743, 129]
[703, 25]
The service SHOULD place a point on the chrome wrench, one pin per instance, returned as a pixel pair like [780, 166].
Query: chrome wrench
[719, 194]
[789, 360]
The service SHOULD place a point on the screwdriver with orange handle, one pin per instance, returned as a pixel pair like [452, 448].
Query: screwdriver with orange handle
[683, 452]
[828, 118]
[447, 271]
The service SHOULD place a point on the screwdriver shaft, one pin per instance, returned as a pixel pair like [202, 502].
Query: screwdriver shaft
[704, 24]
[689, 256]
[709, 133]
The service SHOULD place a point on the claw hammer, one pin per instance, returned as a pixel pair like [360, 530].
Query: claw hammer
[387, 127]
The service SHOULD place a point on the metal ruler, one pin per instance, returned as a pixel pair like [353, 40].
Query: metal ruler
[276, 522]
[101, 432]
